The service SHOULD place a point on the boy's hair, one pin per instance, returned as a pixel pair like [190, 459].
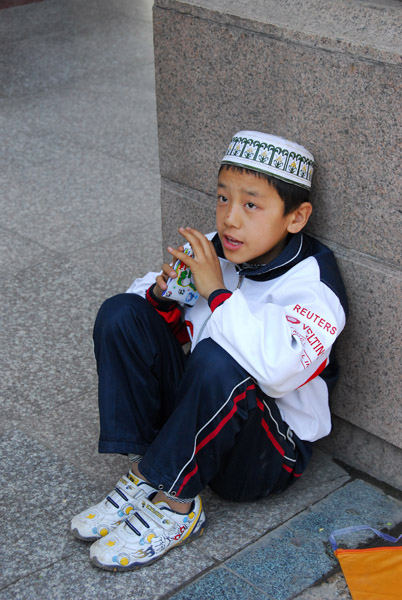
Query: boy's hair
[292, 195]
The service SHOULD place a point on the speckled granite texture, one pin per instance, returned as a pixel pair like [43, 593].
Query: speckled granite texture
[327, 74]
[344, 108]
[80, 218]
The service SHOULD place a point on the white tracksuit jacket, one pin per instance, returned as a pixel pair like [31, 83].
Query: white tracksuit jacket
[280, 324]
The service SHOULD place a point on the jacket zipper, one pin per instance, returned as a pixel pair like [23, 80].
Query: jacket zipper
[240, 281]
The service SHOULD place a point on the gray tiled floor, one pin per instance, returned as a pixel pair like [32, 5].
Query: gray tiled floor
[79, 219]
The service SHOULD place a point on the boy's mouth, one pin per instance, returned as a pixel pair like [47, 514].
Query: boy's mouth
[231, 243]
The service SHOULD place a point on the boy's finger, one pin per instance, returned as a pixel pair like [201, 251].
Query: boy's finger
[180, 256]
[196, 239]
[169, 271]
[161, 282]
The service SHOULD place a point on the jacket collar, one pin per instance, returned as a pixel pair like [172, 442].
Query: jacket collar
[293, 253]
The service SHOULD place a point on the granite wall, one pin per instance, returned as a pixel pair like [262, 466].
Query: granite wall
[328, 75]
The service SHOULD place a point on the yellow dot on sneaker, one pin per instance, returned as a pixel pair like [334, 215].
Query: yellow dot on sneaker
[103, 531]
[110, 543]
[150, 537]
[90, 516]
[191, 515]
[124, 561]
[129, 509]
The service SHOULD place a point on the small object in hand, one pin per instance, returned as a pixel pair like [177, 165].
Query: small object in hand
[182, 288]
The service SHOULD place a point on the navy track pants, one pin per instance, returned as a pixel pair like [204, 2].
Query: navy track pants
[198, 420]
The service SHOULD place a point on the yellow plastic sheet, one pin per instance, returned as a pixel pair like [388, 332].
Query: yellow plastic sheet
[371, 573]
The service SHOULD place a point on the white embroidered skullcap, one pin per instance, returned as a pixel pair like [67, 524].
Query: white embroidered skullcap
[273, 155]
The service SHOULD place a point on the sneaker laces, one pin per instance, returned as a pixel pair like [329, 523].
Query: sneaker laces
[118, 491]
[155, 516]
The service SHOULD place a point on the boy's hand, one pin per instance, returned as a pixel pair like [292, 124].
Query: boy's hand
[161, 280]
[204, 265]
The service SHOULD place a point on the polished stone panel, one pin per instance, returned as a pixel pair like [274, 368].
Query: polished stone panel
[79, 220]
[342, 106]
[327, 76]
[364, 451]
[368, 392]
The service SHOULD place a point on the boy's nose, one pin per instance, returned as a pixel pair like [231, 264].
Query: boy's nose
[232, 217]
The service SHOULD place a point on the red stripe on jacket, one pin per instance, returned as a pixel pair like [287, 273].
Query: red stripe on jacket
[316, 373]
[171, 313]
[218, 300]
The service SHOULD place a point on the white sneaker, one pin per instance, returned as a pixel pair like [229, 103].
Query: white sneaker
[149, 532]
[100, 519]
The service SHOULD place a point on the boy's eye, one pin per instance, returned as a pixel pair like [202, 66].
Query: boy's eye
[251, 205]
[222, 199]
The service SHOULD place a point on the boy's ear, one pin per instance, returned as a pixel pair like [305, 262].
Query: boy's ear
[299, 217]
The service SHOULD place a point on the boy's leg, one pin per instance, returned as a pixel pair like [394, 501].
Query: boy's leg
[140, 364]
[222, 429]
[266, 458]
[217, 401]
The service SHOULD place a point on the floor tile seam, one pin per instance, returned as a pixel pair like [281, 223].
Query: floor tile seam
[324, 576]
[250, 583]
[66, 461]
[285, 523]
[336, 569]
[224, 563]
[58, 257]
[37, 571]
[75, 397]
[355, 473]
[54, 261]
[214, 567]
[48, 410]
[286, 526]
[25, 238]
[12, 273]
[191, 580]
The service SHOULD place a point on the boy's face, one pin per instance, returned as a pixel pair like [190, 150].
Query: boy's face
[249, 218]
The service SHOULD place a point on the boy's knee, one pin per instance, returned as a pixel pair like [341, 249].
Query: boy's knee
[211, 357]
[115, 312]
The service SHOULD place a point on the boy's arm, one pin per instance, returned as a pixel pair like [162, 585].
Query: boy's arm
[282, 345]
[171, 312]
[218, 297]
[168, 309]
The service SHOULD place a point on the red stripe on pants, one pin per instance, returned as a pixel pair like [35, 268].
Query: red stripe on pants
[214, 433]
[271, 438]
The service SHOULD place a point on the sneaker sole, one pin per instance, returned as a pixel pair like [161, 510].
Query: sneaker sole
[77, 535]
[137, 566]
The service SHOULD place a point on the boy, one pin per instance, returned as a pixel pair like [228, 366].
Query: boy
[241, 411]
